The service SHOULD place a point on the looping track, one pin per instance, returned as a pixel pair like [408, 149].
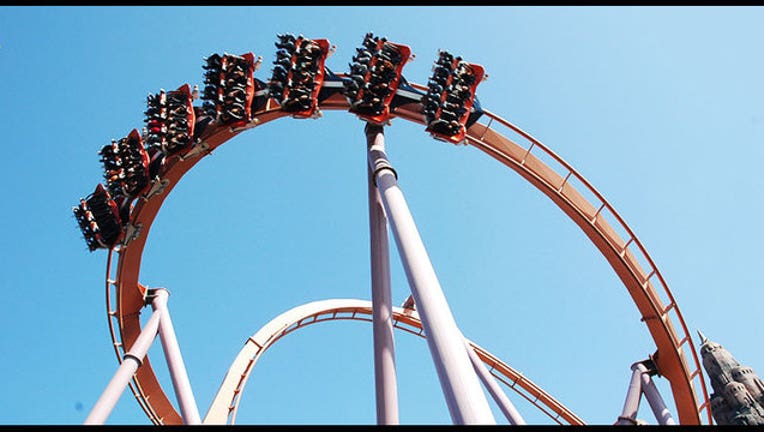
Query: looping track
[226, 403]
[675, 357]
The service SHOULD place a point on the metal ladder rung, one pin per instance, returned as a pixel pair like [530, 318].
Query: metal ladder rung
[647, 279]
[522, 162]
[599, 210]
[670, 306]
[487, 126]
[564, 181]
[684, 340]
[626, 246]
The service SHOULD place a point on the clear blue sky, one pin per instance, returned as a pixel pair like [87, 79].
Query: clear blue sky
[660, 108]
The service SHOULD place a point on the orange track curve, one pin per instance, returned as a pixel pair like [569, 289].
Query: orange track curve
[225, 404]
[675, 355]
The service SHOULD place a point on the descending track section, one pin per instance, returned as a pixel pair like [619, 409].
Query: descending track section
[225, 405]
[674, 356]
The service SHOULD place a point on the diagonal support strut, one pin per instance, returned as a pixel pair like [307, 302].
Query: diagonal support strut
[385, 378]
[466, 401]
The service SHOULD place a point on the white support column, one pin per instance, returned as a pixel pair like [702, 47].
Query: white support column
[642, 383]
[505, 405]
[466, 401]
[180, 382]
[130, 363]
[385, 379]
[655, 400]
[633, 396]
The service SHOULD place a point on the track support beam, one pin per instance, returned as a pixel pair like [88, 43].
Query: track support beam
[466, 401]
[655, 400]
[633, 397]
[180, 381]
[385, 379]
[159, 322]
[642, 383]
[132, 360]
[505, 405]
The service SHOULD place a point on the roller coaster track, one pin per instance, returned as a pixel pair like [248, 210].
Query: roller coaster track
[225, 405]
[675, 356]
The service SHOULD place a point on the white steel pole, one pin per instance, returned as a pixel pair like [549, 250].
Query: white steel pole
[633, 396]
[385, 380]
[505, 405]
[466, 401]
[180, 382]
[655, 400]
[130, 363]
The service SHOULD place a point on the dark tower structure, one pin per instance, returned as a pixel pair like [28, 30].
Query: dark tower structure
[738, 393]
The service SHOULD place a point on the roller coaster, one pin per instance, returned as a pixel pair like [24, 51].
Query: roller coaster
[141, 169]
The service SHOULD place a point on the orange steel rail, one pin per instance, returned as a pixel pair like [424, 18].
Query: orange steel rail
[675, 356]
[225, 405]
